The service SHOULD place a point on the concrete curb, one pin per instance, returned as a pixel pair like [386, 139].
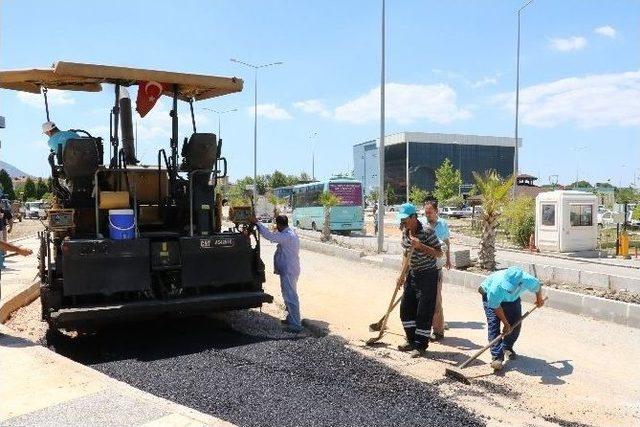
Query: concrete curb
[331, 249]
[543, 271]
[623, 313]
[19, 300]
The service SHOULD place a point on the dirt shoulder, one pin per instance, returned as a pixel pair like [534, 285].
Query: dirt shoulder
[563, 375]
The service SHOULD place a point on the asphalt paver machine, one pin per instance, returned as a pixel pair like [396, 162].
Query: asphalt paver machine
[126, 241]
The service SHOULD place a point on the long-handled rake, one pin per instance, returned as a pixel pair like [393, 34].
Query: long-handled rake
[456, 373]
[382, 324]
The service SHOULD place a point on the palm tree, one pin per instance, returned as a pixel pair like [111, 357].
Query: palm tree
[276, 202]
[494, 192]
[327, 200]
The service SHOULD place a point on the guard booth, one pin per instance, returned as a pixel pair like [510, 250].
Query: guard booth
[566, 221]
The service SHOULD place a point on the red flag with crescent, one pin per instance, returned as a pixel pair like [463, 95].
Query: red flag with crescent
[148, 95]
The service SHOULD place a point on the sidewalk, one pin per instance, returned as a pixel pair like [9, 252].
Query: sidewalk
[40, 387]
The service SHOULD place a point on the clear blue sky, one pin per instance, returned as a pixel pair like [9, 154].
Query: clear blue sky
[450, 68]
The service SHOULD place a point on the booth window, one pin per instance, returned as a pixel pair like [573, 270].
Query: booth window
[549, 215]
[581, 215]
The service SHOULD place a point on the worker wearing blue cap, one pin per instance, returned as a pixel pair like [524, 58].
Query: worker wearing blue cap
[420, 289]
[501, 300]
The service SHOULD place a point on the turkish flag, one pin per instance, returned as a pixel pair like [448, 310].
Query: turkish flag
[148, 95]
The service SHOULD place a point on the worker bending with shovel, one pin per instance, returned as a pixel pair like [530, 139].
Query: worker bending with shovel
[501, 300]
[421, 285]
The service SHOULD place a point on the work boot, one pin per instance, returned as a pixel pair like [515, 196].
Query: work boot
[496, 364]
[416, 353]
[407, 346]
[510, 354]
[435, 336]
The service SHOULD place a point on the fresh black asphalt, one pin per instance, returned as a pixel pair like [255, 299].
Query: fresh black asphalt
[241, 367]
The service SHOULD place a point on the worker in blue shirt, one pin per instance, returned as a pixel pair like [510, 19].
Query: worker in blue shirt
[56, 136]
[501, 300]
[441, 228]
[286, 263]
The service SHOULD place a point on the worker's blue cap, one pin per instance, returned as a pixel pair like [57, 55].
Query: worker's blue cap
[405, 211]
[512, 277]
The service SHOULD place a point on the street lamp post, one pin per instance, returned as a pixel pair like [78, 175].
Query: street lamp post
[515, 152]
[381, 192]
[313, 156]
[255, 118]
[220, 113]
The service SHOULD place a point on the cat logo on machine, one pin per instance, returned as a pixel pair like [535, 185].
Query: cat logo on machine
[218, 242]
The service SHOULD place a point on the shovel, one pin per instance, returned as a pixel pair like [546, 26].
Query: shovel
[381, 326]
[456, 373]
[375, 327]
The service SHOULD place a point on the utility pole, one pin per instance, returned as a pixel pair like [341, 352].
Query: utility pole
[515, 151]
[255, 119]
[381, 146]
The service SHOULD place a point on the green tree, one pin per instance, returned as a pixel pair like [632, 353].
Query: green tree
[520, 219]
[237, 194]
[579, 184]
[372, 197]
[275, 201]
[261, 184]
[636, 213]
[328, 200]
[390, 195]
[305, 177]
[494, 192]
[417, 195]
[30, 192]
[278, 179]
[7, 185]
[41, 188]
[627, 195]
[448, 181]
[455, 201]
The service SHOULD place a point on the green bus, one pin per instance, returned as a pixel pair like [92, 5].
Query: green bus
[348, 216]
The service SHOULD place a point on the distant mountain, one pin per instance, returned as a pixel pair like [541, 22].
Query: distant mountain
[13, 171]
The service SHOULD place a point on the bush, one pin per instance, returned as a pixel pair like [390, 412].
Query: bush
[636, 213]
[519, 219]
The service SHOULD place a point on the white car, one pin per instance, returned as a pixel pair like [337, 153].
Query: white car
[446, 211]
[605, 217]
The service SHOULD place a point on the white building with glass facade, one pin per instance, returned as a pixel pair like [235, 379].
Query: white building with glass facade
[411, 158]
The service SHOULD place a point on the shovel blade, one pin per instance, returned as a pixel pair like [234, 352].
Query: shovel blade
[457, 375]
[373, 340]
[376, 327]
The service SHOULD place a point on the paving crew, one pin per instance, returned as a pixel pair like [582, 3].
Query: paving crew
[420, 289]
[501, 301]
[441, 228]
[286, 263]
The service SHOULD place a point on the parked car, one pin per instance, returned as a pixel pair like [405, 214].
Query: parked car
[446, 211]
[605, 217]
[466, 212]
[265, 217]
[36, 209]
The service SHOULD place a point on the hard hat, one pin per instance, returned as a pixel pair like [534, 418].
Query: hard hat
[511, 278]
[48, 126]
[406, 210]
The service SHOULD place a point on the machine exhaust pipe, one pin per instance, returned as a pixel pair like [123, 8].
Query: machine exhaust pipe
[126, 125]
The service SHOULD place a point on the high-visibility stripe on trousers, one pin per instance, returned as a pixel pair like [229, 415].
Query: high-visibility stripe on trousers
[417, 306]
